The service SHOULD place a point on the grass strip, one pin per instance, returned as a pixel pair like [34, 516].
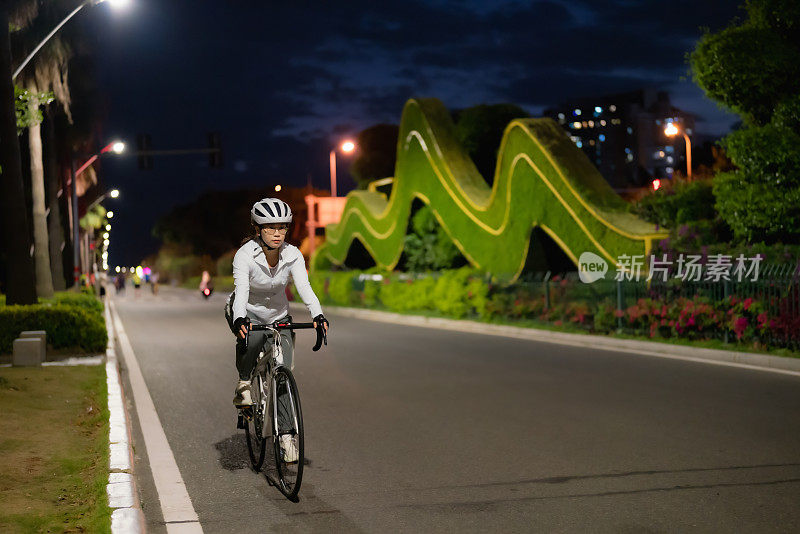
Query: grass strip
[54, 450]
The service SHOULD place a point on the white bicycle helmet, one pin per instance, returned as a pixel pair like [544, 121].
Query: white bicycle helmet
[270, 210]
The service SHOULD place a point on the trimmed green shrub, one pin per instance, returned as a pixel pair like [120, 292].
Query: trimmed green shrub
[79, 300]
[407, 295]
[68, 327]
[451, 295]
[371, 295]
[340, 288]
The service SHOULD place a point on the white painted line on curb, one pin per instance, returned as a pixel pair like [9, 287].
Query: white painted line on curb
[176, 506]
[127, 518]
[576, 340]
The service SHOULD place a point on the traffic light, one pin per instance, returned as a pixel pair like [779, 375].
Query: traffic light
[145, 160]
[215, 151]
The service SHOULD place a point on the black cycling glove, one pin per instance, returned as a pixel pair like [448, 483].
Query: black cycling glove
[320, 320]
[237, 326]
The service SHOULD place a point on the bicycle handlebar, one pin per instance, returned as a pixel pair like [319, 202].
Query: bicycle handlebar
[322, 336]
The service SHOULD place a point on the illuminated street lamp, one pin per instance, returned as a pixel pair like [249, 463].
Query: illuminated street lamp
[110, 215]
[277, 188]
[116, 147]
[347, 147]
[114, 3]
[671, 131]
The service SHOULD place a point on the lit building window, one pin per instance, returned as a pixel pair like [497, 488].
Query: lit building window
[612, 108]
[630, 130]
[602, 138]
[658, 122]
[577, 112]
[591, 124]
[688, 131]
[585, 124]
[669, 159]
[669, 149]
[598, 109]
[602, 123]
[561, 116]
[591, 142]
[579, 144]
[627, 150]
[669, 170]
[576, 125]
[660, 154]
[630, 157]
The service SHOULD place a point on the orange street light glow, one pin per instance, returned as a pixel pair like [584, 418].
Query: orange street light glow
[671, 130]
[348, 146]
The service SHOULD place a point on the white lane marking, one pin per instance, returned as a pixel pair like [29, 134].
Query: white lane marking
[176, 506]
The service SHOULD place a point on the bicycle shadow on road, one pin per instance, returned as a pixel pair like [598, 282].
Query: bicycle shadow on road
[310, 514]
[233, 452]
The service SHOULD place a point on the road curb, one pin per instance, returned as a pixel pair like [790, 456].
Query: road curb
[749, 360]
[127, 516]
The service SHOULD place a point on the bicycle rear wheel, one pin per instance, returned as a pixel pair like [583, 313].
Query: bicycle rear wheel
[286, 419]
[254, 429]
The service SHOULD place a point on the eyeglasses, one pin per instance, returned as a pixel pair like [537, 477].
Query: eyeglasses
[282, 229]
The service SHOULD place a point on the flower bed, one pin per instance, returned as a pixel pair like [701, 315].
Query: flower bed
[769, 322]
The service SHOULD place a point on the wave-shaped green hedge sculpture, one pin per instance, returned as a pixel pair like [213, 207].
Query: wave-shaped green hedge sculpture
[542, 180]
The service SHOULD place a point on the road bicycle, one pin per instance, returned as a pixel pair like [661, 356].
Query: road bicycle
[275, 417]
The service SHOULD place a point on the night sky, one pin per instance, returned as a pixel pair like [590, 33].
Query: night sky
[284, 81]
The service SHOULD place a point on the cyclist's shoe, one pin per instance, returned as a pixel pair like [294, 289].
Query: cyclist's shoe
[289, 448]
[242, 397]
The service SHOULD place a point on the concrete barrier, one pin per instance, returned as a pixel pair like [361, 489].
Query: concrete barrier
[27, 351]
[39, 334]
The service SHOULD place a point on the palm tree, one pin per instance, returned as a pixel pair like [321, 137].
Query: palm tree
[47, 72]
[20, 282]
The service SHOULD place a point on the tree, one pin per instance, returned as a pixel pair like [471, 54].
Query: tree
[377, 154]
[47, 72]
[20, 282]
[480, 131]
[752, 68]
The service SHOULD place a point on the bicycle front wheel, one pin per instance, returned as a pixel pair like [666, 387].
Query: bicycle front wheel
[286, 419]
[254, 430]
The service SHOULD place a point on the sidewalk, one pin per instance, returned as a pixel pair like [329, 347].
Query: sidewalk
[763, 362]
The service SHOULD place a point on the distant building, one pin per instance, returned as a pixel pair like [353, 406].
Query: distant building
[623, 135]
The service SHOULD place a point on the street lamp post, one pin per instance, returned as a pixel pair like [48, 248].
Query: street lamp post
[670, 131]
[60, 24]
[347, 147]
[114, 193]
[116, 147]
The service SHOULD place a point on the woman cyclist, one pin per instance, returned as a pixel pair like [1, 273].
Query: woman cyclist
[261, 270]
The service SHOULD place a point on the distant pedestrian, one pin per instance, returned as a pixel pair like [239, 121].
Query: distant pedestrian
[154, 282]
[137, 283]
[119, 283]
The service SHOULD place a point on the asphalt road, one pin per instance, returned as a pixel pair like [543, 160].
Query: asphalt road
[421, 430]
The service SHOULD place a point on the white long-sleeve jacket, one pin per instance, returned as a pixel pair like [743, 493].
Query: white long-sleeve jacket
[261, 296]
